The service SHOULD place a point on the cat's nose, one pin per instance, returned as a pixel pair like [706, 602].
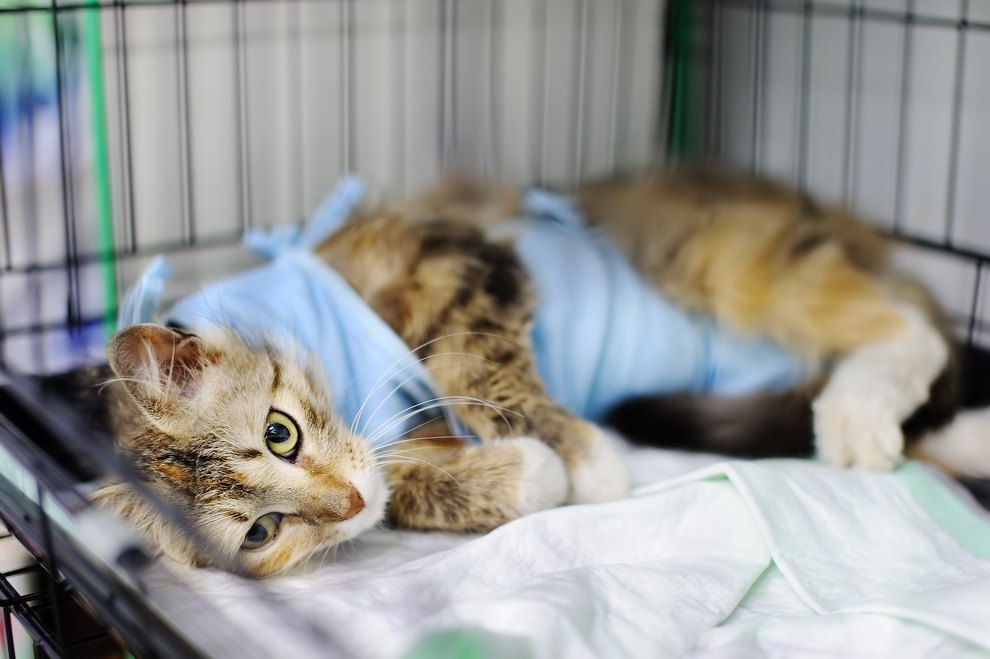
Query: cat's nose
[356, 504]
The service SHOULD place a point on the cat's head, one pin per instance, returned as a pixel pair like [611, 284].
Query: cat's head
[241, 439]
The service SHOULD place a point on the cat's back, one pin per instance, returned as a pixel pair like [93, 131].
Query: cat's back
[698, 233]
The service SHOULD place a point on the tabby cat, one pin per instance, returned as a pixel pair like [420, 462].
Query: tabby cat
[241, 436]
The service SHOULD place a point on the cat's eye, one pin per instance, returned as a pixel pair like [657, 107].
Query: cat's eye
[281, 435]
[262, 531]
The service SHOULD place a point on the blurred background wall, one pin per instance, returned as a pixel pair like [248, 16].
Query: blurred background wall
[143, 127]
[149, 126]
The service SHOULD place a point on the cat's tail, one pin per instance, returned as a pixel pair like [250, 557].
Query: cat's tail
[779, 424]
[764, 425]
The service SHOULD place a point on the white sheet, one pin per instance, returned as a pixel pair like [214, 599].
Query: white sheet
[740, 559]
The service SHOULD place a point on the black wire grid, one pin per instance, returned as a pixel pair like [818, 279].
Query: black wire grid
[57, 604]
[603, 111]
[452, 52]
[737, 52]
[41, 612]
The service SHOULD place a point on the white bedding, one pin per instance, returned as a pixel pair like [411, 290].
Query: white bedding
[707, 559]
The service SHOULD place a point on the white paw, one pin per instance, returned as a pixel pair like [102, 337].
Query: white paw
[603, 475]
[857, 432]
[872, 390]
[543, 479]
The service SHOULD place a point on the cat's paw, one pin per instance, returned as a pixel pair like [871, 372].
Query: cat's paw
[601, 474]
[856, 432]
[543, 481]
[857, 417]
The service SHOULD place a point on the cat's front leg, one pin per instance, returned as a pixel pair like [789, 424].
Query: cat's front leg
[467, 304]
[600, 474]
[457, 486]
[502, 397]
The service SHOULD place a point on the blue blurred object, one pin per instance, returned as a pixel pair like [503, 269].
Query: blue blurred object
[46, 149]
[30, 74]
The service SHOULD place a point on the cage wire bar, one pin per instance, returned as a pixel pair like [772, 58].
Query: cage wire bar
[137, 127]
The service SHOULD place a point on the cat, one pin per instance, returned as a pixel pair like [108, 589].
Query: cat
[239, 433]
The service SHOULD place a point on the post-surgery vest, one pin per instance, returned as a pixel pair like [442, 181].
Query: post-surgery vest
[601, 333]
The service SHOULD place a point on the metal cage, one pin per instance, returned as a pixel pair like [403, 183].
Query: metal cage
[130, 128]
[877, 104]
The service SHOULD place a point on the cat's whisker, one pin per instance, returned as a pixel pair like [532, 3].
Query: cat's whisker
[353, 546]
[388, 372]
[324, 553]
[396, 440]
[384, 400]
[406, 436]
[408, 432]
[451, 335]
[401, 453]
[399, 417]
[427, 463]
[441, 401]
[433, 403]
[404, 382]
[103, 385]
[388, 375]
[380, 382]
[319, 553]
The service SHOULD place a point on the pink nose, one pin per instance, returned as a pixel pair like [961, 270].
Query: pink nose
[356, 504]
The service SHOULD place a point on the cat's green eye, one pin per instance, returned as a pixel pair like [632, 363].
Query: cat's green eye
[262, 531]
[281, 435]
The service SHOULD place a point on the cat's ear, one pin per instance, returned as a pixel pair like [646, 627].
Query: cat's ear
[159, 364]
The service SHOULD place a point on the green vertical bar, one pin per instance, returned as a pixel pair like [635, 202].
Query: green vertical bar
[682, 129]
[93, 50]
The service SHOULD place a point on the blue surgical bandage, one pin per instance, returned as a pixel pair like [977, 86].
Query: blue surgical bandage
[603, 334]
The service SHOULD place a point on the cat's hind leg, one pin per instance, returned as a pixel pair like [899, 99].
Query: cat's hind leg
[774, 263]
[886, 344]
[883, 334]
